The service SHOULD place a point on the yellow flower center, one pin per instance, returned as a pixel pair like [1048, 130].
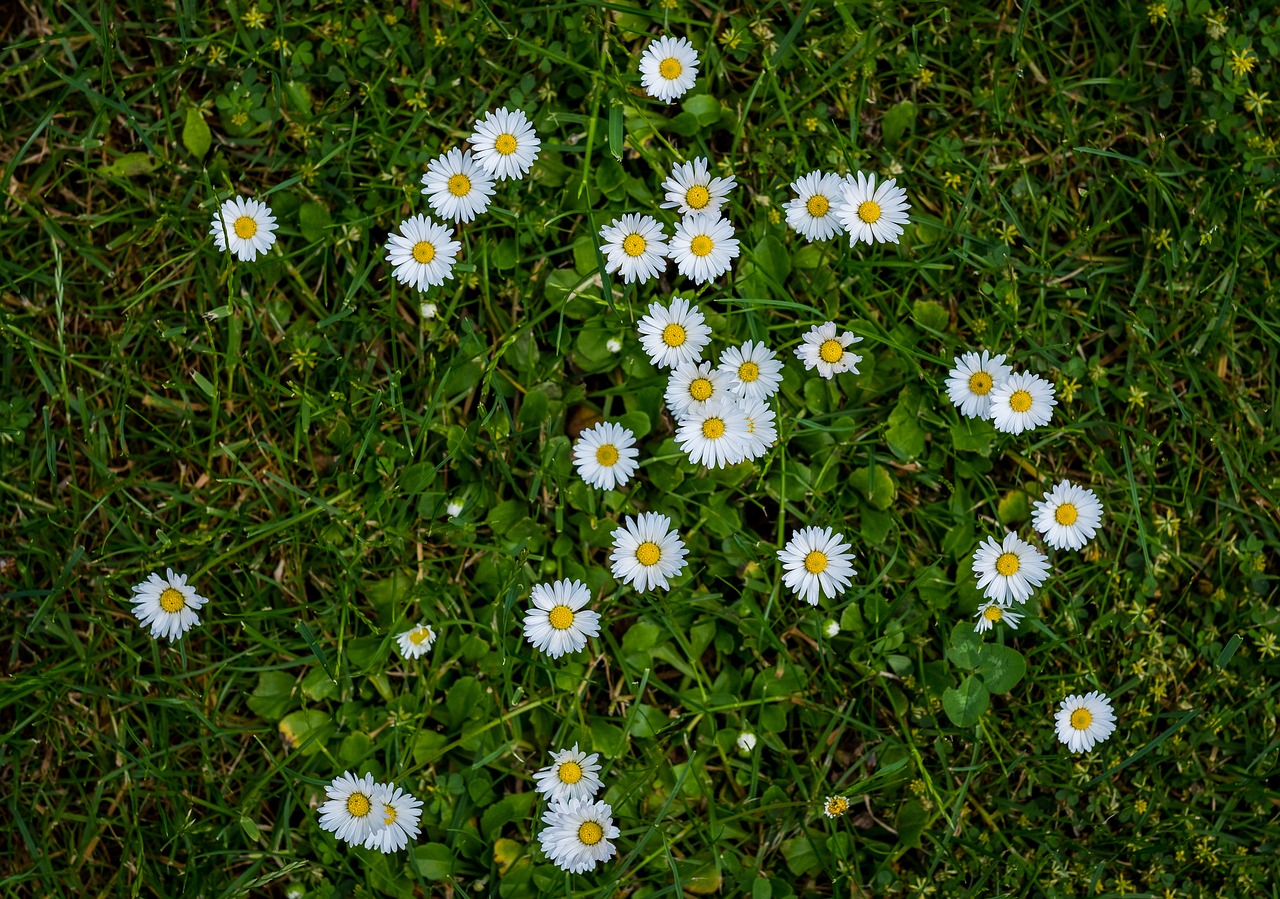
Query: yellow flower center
[590, 832]
[673, 335]
[420, 635]
[993, 613]
[1081, 719]
[815, 562]
[633, 245]
[607, 455]
[424, 251]
[748, 372]
[697, 197]
[459, 185]
[713, 428]
[172, 600]
[831, 351]
[837, 805]
[561, 617]
[245, 227]
[569, 772]
[980, 383]
[869, 211]
[700, 389]
[670, 68]
[358, 805]
[701, 245]
[647, 553]
[505, 144]
[818, 205]
[1007, 564]
[388, 814]
[1066, 514]
[1020, 401]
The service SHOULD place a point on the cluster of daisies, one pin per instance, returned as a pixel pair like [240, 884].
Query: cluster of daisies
[373, 815]
[578, 828]
[982, 386]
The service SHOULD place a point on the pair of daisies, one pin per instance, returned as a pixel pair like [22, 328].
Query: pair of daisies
[578, 828]
[826, 204]
[982, 386]
[373, 815]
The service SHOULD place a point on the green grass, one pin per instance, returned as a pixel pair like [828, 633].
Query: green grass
[1094, 193]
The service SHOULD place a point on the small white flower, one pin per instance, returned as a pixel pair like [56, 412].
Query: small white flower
[991, 612]
[872, 214]
[635, 245]
[824, 350]
[813, 212]
[690, 189]
[423, 253]
[457, 187]
[835, 806]
[703, 247]
[453, 509]
[401, 812]
[577, 834]
[1022, 402]
[668, 68]
[754, 370]
[1083, 721]
[428, 310]
[605, 455]
[831, 628]
[673, 334]
[246, 227]
[613, 345]
[571, 775]
[692, 385]
[505, 143]
[815, 560]
[715, 434]
[556, 623]
[415, 643]
[647, 552]
[746, 741]
[350, 812]
[1009, 572]
[762, 433]
[167, 605]
[1068, 516]
[969, 384]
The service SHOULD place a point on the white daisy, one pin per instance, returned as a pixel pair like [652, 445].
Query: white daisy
[1068, 516]
[246, 227]
[577, 834]
[690, 189]
[647, 551]
[872, 214]
[815, 560]
[1021, 402]
[571, 775]
[606, 455]
[673, 334]
[350, 812]
[746, 741]
[1083, 721]
[703, 247]
[762, 432]
[1009, 572]
[423, 253]
[969, 384]
[401, 812]
[167, 605]
[813, 212]
[636, 245]
[835, 806]
[415, 643]
[692, 385]
[824, 350]
[668, 68]
[457, 187]
[556, 623]
[715, 434]
[991, 612]
[505, 143]
[754, 370]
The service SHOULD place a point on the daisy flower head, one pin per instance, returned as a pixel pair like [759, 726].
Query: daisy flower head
[456, 186]
[703, 247]
[714, 434]
[1068, 516]
[872, 214]
[401, 812]
[647, 552]
[571, 775]
[673, 334]
[1083, 721]
[668, 68]
[577, 834]
[690, 189]
[835, 806]
[556, 622]
[505, 144]
[245, 227]
[167, 605]
[353, 810]
[1021, 402]
[692, 385]
[415, 643]
[815, 560]
[970, 383]
[826, 351]
[813, 213]
[605, 455]
[762, 431]
[991, 612]
[1008, 572]
[635, 245]
[423, 253]
[754, 370]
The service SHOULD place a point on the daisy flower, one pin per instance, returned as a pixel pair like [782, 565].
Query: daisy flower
[505, 144]
[824, 350]
[835, 806]
[400, 814]
[668, 68]
[754, 370]
[1008, 572]
[815, 560]
[691, 189]
[245, 227]
[1083, 721]
[571, 775]
[813, 212]
[762, 433]
[556, 623]
[991, 612]
[577, 834]
[872, 214]
[636, 245]
[1021, 402]
[457, 187]
[703, 247]
[1068, 516]
[969, 384]
[673, 334]
[646, 552]
[167, 605]
[714, 434]
[605, 455]
[415, 643]
[423, 253]
[692, 385]
[351, 813]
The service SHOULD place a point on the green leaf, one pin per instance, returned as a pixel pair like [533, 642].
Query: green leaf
[912, 819]
[1013, 508]
[972, 435]
[705, 109]
[904, 435]
[875, 485]
[196, 136]
[306, 729]
[1001, 667]
[773, 259]
[130, 165]
[1229, 650]
[504, 516]
[930, 315]
[434, 861]
[965, 705]
[314, 221]
[610, 178]
[272, 697]
[417, 478]
[897, 121]
[801, 857]
[966, 646]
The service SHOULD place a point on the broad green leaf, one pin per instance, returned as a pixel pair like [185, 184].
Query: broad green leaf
[972, 436]
[434, 861]
[314, 221]
[773, 259]
[966, 645]
[964, 705]
[196, 136]
[1014, 508]
[875, 485]
[130, 165]
[1001, 667]
[904, 435]
[273, 695]
[912, 819]
[800, 856]
[897, 121]
[306, 728]
[705, 109]
[930, 315]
